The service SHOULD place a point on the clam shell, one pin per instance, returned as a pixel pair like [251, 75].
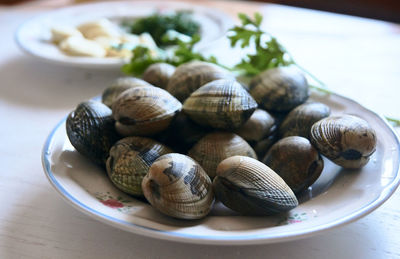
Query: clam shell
[261, 147]
[182, 134]
[216, 146]
[129, 161]
[221, 104]
[118, 86]
[300, 120]
[296, 161]
[190, 76]
[279, 89]
[259, 126]
[347, 140]
[177, 186]
[158, 74]
[144, 111]
[250, 187]
[90, 129]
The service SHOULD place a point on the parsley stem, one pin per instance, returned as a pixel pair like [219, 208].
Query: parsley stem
[322, 84]
[395, 122]
[321, 89]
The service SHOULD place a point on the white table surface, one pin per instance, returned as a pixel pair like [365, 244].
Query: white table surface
[36, 223]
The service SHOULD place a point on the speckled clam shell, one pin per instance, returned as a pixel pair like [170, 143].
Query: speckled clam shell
[221, 104]
[279, 89]
[177, 186]
[118, 86]
[216, 146]
[129, 161]
[347, 140]
[190, 76]
[259, 126]
[90, 129]
[158, 74]
[251, 188]
[300, 120]
[144, 111]
[296, 161]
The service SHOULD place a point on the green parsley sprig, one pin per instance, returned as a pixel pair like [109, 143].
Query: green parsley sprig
[269, 53]
[158, 24]
[143, 57]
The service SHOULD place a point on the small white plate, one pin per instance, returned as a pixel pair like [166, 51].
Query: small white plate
[338, 197]
[34, 35]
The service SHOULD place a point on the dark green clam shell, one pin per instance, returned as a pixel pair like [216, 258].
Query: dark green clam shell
[90, 129]
[129, 161]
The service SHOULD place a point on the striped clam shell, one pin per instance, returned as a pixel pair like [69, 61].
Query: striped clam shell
[144, 111]
[279, 89]
[299, 121]
[210, 150]
[158, 74]
[90, 129]
[347, 140]
[118, 86]
[130, 159]
[177, 186]
[221, 104]
[250, 187]
[190, 76]
[296, 161]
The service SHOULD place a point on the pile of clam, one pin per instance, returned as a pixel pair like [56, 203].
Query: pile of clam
[187, 136]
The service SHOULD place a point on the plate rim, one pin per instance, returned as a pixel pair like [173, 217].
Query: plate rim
[246, 239]
[102, 63]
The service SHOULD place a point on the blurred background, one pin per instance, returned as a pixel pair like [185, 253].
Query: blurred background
[388, 10]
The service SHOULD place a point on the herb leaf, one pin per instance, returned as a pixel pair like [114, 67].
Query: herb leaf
[142, 58]
[269, 53]
[183, 52]
[158, 24]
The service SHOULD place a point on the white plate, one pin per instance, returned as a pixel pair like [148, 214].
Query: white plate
[34, 35]
[339, 196]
